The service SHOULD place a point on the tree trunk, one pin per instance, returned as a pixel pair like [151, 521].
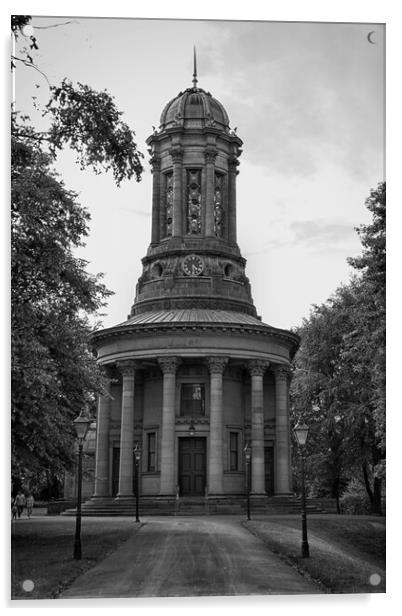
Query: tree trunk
[336, 493]
[367, 481]
[376, 502]
[375, 493]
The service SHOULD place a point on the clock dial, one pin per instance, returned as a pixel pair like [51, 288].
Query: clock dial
[193, 265]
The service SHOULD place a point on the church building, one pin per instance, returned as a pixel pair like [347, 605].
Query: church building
[194, 374]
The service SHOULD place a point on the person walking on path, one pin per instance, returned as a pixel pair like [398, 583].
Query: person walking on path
[30, 504]
[20, 501]
[13, 510]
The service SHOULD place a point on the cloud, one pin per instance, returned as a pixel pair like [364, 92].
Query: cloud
[313, 236]
[318, 232]
[301, 92]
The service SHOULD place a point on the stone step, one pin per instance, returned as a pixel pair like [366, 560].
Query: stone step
[149, 506]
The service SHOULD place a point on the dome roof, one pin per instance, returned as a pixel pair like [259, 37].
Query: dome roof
[194, 108]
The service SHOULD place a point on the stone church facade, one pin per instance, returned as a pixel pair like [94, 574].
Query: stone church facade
[194, 374]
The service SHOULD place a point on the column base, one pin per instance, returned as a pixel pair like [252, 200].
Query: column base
[124, 496]
[283, 494]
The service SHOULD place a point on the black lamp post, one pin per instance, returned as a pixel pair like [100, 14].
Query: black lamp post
[247, 456]
[301, 433]
[137, 458]
[81, 425]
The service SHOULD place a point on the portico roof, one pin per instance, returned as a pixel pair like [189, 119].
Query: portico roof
[193, 315]
[205, 320]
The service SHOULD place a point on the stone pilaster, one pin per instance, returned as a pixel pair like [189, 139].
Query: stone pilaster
[282, 446]
[210, 155]
[102, 443]
[177, 158]
[127, 369]
[169, 367]
[216, 367]
[156, 199]
[232, 222]
[257, 369]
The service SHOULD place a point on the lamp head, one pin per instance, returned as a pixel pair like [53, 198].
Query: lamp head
[81, 425]
[137, 452]
[301, 433]
[191, 429]
[247, 452]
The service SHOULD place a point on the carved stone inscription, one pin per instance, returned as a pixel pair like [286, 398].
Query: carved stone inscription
[194, 208]
[218, 205]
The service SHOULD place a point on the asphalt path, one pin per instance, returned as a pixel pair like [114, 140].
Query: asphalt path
[185, 557]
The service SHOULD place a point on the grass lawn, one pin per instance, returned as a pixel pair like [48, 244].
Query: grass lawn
[347, 553]
[42, 552]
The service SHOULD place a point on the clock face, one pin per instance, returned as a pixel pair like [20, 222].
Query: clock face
[193, 265]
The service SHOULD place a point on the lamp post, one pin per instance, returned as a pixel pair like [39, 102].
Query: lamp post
[301, 433]
[137, 458]
[81, 425]
[247, 455]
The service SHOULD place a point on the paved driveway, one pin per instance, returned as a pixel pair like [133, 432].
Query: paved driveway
[190, 557]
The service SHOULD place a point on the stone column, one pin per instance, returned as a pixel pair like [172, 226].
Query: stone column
[127, 369]
[216, 367]
[162, 205]
[169, 367]
[257, 368]
[282, 448]
[210, 155]
[156, 205]
[233, 164]
[177, 158]
[102, 443]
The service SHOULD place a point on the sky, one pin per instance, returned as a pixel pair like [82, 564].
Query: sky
[308, 102]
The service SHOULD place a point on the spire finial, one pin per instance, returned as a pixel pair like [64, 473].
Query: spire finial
[195, 69]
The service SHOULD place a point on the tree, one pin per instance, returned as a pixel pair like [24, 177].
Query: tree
[320, 393]
[339, 372]
[54, 374]
[369, 336]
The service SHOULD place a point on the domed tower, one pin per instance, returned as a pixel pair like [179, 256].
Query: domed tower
[194, 373]
[193, 260]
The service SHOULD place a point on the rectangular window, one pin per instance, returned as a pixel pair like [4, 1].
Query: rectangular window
[192, 399]
[233, 451]
[151, 451]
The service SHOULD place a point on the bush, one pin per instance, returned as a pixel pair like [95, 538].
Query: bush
[355, 503]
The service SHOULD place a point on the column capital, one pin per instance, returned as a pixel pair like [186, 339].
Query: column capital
[282, 372]
[155, 163]
[217, 365]
[169, 364]
[210, 154]
[176, 152]
[127, 367]
[233, 163]
[257, 367]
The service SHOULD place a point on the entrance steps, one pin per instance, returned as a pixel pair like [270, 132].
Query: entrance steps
[199, 506]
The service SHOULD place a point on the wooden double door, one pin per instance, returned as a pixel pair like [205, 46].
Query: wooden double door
[192, 466]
